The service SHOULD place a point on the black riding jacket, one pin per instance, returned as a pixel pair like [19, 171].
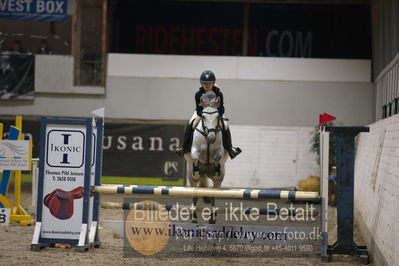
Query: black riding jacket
[198, 95]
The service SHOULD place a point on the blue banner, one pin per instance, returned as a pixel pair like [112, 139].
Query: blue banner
[39, 10]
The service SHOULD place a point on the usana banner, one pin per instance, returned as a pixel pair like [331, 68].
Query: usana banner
[143, 150]
[39, 10]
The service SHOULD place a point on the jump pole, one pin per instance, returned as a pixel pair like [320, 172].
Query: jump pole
[208, 192]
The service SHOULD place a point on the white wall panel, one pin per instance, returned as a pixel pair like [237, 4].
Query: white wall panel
[239, 68]
[258, 91]
[272, 157]
[54, 74]
[377, 189]
[304, 69]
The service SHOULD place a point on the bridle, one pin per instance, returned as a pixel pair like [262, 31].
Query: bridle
[206, 130]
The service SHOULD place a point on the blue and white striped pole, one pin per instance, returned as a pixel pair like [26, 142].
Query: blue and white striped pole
[208, 192]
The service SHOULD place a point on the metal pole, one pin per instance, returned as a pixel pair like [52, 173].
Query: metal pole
[35, 178]
[324, 165]
[17, 179]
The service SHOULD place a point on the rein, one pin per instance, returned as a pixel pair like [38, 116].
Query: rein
[208, 130]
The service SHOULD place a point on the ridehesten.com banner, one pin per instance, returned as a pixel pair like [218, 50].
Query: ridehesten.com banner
[39, 10]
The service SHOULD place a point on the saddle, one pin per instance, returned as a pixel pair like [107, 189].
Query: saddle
[198, 119]
[60, 202]
[196, 122]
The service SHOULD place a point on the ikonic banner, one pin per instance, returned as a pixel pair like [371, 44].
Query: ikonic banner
[63, 169]
[17, 76]
[63, 178]
[68, 167]
[40, 10]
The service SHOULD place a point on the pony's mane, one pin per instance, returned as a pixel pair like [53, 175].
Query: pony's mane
[209, 99]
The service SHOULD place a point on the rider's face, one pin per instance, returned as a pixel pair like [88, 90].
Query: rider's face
[207, 85]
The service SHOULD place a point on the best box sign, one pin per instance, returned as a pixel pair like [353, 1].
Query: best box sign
[41, 10]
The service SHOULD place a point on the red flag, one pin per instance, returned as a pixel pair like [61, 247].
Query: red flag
[324, 118]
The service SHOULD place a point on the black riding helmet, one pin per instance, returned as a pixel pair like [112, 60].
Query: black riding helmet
[207, 76]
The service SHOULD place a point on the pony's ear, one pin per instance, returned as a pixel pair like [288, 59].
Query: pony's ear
[215, 102]
[203, 100]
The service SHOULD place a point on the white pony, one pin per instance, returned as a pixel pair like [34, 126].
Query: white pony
[207, 157]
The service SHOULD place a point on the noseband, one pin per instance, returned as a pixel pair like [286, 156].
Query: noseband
[209, 130]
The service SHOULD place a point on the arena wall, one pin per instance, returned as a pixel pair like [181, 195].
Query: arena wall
[258, 91]
[377, 189]
[273, 103]
[273, 157]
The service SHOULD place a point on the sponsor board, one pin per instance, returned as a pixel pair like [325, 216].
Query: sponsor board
[15, 155]
[5, 216]
[68, 165]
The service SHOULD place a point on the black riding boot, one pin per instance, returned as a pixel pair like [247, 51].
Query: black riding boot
[187, 140]
[227, 144]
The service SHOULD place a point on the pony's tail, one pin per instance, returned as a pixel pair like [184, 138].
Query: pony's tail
[204, 183]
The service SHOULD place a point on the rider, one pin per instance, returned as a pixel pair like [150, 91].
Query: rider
[207, 80]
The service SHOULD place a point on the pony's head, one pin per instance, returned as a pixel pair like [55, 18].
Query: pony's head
[209, 99]
[210, 123]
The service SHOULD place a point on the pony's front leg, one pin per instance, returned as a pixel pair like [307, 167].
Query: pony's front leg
[212, 219]
[216, 184]
[218, 156]
[193, 212]
[195, 155]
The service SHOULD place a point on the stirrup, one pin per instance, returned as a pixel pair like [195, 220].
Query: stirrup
[233, 152]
